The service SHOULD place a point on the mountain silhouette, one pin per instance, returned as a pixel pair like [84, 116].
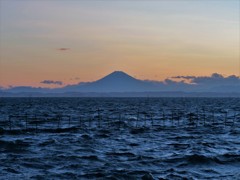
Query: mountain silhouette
[117, 81]
[120, 82]
[117, 76]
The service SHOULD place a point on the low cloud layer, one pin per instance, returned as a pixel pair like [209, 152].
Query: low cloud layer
[214, 79]
[213, 83]
[52, 82]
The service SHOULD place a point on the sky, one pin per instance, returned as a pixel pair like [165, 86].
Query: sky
[53, 43]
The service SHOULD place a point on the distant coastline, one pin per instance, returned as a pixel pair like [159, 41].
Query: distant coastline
[120, 84]
[122, 94]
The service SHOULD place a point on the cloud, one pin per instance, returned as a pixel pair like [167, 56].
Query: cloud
[213, 83]
[170, 82]
[215, 78]
[63, 49]
[75, 78]
[183, 77]
[52, 82]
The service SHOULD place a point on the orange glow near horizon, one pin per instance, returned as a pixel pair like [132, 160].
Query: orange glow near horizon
[147, 40]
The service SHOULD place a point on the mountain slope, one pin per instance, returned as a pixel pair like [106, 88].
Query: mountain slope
[117, 81]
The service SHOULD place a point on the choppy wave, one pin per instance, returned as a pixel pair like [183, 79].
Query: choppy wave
[125, 151]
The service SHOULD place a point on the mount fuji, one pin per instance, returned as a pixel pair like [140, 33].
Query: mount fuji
[117, 81]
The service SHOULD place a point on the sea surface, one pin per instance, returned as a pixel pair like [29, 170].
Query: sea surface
[120, 138]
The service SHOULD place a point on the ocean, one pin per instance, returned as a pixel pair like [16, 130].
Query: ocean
[120, 138]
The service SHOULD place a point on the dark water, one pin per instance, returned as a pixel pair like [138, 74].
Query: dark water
[120, 138]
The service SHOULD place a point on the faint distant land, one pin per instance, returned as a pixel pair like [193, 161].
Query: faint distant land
[120, 84]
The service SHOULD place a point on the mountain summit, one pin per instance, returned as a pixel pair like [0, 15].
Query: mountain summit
[117, 77]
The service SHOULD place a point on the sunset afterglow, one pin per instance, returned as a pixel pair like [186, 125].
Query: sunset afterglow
[79, 41]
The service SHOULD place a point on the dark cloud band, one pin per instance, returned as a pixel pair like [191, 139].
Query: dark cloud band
[52, 82]
[63, 49]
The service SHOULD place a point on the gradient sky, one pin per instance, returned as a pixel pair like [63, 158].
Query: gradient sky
[73, 41]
